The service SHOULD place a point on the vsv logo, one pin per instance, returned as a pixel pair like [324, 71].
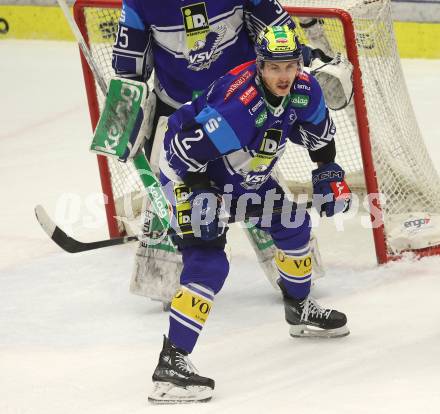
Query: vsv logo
[202, 42]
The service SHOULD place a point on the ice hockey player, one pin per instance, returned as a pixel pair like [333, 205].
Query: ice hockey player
[226, 143]
[189, 45]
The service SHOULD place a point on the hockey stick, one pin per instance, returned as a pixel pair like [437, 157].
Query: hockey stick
[83, 46]
[71, 245]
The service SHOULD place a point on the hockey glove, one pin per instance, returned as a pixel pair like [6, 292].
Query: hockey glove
[329, 184]
[198, 211]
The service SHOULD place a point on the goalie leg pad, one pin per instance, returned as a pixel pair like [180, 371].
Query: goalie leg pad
[156, 273]
[159, 117]
[159, 135]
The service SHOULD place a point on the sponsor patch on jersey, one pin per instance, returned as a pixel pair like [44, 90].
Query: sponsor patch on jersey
[248, 95]
[195, 20]
[261, 119]
[270, 143]
[299, 101]
[301, 86]
[256, 107]
[221, 134]
[237, 83]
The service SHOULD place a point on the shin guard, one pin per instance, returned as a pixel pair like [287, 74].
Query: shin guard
[295, 270]
[189, 311]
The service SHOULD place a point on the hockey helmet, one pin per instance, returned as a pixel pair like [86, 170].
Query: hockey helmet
[278, 43]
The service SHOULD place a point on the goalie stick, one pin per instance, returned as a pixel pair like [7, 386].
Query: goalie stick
[71, 245]
[83, 46]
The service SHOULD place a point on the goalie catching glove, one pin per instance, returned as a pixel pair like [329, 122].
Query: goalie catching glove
[330, 188]
[334, 75]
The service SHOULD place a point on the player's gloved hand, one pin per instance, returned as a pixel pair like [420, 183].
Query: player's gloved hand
[328, 182]
[206, 208]
[198, 211]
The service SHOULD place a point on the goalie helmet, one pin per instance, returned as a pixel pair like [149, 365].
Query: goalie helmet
[278, 43]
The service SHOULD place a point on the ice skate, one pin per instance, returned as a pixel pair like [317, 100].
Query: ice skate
[175, 380]
[307, 319]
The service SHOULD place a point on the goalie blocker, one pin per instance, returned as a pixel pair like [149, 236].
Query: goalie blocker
[125, 122]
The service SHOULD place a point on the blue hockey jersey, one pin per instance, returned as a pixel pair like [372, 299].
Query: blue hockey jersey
[234, 135]
[189, 43]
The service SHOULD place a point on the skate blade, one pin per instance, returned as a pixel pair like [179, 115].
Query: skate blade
[167, 393]
[306, 331]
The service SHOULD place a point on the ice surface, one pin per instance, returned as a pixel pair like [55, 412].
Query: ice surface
[73, 340]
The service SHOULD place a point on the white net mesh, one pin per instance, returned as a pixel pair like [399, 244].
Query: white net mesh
[101, 28]
[402, 166]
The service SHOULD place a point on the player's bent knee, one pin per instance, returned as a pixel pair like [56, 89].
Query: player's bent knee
[206, 266]
[291, 237]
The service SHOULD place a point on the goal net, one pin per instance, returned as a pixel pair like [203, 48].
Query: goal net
[379, 144]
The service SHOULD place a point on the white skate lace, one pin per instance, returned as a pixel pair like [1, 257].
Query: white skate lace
[184, 363]
[311, 308]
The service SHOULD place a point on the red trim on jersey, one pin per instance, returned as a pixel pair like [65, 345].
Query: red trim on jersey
[303, 76]
[241, 67]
